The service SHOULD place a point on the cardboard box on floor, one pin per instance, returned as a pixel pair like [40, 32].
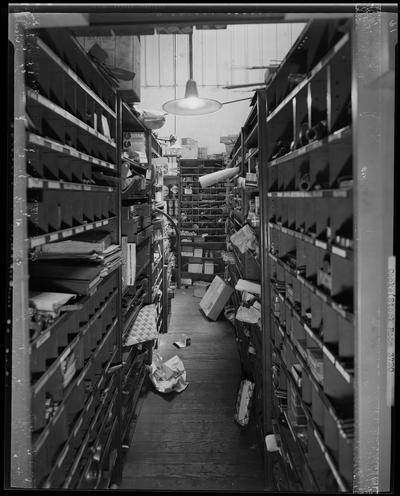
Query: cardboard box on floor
[215, 299]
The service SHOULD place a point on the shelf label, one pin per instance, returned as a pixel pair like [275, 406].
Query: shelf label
[328, 354]
[63, 455]
[37, 241]
[67, 233]
[53, 237]
[343, 372]
[79, 229]
[33, 181]
[73, 186]
[54, 185]
[391, 309]
[43, 338]
[339, 251]
[77, 427]
[89, 404]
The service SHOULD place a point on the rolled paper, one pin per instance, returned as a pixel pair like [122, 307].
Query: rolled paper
[218, 176]
[241, 182]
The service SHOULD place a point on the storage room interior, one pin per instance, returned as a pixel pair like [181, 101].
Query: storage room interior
[201, 247]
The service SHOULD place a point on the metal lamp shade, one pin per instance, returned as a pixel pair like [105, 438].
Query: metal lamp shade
[192, 104]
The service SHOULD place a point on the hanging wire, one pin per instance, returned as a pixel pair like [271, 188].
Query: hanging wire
[191, 55]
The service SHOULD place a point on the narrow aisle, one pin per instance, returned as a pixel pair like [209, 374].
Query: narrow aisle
[190, 440]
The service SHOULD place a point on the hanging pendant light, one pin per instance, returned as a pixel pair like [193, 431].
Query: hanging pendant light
[191, 104]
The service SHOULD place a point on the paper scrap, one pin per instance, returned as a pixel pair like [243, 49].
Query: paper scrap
[183, 342]
[168, 376]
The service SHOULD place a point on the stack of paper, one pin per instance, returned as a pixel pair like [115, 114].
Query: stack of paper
[249, 286]
[83, 244]
[111, 258]
[64, 276]
[49, 303]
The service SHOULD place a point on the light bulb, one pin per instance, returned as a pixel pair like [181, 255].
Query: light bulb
[192, 103]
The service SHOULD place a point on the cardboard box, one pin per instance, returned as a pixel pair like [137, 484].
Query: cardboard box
[188, 252]
[208, 268]
[196, 268]
[215, 299]
[123, 52]
[198, 252]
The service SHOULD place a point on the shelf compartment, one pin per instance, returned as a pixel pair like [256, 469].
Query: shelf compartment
[67, 151]
[339, 251]
[60, 466]
[130, 414]
[318, 445]
[34, 183]
[41, 440]
[326, 59]
[66, 233]
[57, 112]
[341, 136]
[74, 479]
[334, 405]
[45, 51]
[330, 193]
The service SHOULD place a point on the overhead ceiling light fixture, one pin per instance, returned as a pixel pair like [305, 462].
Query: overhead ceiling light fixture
[191, 104]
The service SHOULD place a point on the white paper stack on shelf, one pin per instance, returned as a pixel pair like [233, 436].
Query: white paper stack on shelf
[48, 303]
[111, 258]
[244, 239]
[249, 286]
[86, 245]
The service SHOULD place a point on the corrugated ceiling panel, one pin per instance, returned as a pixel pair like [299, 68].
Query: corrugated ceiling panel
[220, 57]
[210, 57]
[152, 61]
[166, 48]
[182, 60]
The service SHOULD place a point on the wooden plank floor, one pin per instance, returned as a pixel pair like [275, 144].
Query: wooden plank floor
[190, 441]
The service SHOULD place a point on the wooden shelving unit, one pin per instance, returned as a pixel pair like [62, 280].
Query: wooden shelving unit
[200, 210]
[313, 340]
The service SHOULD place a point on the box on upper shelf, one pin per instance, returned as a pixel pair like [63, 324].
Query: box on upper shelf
[208, 268]
[196, 268]
[123, 52]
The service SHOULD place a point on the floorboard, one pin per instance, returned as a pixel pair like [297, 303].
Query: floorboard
[190, 441]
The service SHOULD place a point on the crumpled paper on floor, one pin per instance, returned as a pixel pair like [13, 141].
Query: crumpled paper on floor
[168, 376]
